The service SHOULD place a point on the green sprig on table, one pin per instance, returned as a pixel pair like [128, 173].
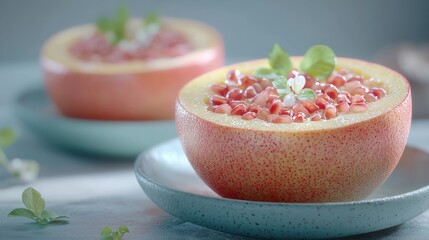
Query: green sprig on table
[108, 234]
[35, 208]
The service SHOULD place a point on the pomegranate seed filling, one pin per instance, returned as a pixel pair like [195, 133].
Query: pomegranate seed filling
[250, 97]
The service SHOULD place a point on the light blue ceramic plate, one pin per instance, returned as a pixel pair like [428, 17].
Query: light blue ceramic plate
[168, 179]
[112, 138]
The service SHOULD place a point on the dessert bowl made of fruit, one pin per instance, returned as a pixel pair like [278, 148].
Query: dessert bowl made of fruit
[315, 128]
[127, 69]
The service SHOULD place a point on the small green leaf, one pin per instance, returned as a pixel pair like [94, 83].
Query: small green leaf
[48, 214]
[115, 27]
[306, 94]
[280, 83]
[152, 19]
[106, 232]
[7, 137]
[42, 220]
[33, 201]
[319, 62]
[123, 229]
[265, 73]
[279, 61]
[104, 24]
[22, 212]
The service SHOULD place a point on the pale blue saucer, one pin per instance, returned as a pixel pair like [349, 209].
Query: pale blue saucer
[170, 182]
[110, 138]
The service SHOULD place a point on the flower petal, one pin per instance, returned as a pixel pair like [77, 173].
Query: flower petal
[289, 100]
[299, 83]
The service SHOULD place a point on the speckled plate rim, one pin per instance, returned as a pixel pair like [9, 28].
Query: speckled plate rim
[150, 186]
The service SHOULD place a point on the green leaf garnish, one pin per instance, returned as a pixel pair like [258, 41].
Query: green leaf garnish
[280, 84]
[108, 234]
[306, 94]
[319, 62]
[115, 27]
[152, 19]
[7, 137]
[279, 61]
[35, 208]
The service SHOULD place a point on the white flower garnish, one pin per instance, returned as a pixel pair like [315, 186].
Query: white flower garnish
[289, 99]
[297, 83]
[26, 170]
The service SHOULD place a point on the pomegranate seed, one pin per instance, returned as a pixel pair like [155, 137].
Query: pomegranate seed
[276, 107]
[309, 81]
[320, 86]
[219, 89]
[299, 117]
[217, 100]
[249, 116]
[358, 107]
[325, 97]
[265, 83]
[330, 112]
[332, 92]
[224, 108]
[281, 119]
[248, 80]
[343, 71]
[355, 78]
[347, 94]
[370, 97]
[362, 90]
[270, 90]
[341, 98]
[257, 87]
[263, 114]
[253, 108]
[261, 98]
[310, 106]
[300, 109]
[321, 103]
[343, 107]
[338, 81]
[240, 109]
[234, 94]
[378, 92]
[357, 99]
[270, 117]
[315, 117]
[349, 86]
[250, 92]
[272, 99]
[234, 103]
[286, 111]
[233, 75]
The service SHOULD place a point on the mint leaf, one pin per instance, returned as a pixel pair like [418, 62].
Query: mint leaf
[152, 19]
[7, 137]
[319, 62]
[279, 61]
[108, 234]
[115, 27]
[51, 216]
[306, 94]
[33, 201]
[265, 73]
[280, 83]
[22, 212]
[123, 229]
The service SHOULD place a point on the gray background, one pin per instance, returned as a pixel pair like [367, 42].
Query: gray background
[352, 28]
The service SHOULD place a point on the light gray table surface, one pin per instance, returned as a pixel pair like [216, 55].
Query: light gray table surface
[95, 192]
